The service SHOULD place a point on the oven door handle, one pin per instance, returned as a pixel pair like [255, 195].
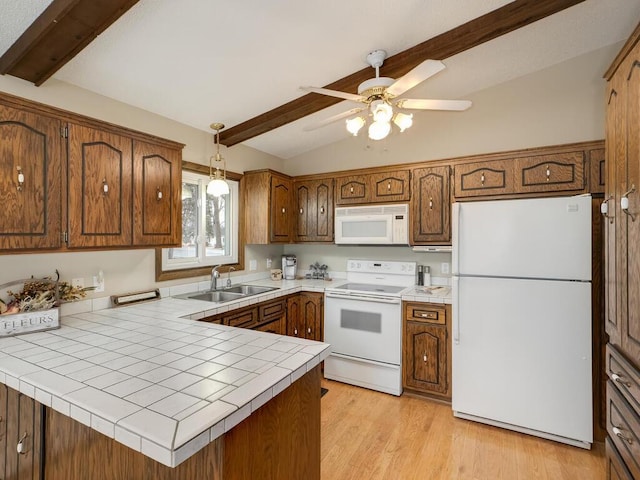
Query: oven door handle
[364, 298]
[364, 360]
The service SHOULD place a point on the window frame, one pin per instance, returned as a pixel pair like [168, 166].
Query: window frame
[163, 275]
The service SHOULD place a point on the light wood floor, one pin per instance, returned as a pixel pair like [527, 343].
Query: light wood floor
[369, 435]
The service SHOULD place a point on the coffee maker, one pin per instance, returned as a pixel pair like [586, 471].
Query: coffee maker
[289, 267]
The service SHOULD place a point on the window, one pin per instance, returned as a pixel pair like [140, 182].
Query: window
[210, 230]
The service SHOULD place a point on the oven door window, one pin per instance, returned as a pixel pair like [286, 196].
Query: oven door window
[364, 321]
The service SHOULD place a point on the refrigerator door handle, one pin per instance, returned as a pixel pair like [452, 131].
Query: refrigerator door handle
[455, 222]
[455, 309]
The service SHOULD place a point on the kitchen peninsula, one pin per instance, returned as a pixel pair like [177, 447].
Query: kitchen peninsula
[138, 392]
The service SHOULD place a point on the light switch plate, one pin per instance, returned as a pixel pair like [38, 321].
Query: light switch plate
[253, 264]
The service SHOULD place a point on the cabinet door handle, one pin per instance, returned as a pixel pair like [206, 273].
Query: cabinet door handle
[624, 203]
[20, 178]
[389, 186]
[301, 211]
[284, 210]
[424, 357]
[620, 379]
[309, 330]
[482, 179]
[158, 194]
[618, 432]
[20, 448]
[351, 189]
[105, 186]
[604, 209]
[430, 203]
[322, 210]
[548, 173]
[295, 332]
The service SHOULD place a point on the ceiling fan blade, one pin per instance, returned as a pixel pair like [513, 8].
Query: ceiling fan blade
[334, 118]
[427, 104]
[426, 69]
[335, 93]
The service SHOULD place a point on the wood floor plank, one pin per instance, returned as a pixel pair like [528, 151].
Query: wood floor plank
[374, 436]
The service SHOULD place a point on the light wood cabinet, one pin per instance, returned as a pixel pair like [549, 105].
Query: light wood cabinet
[314, 207]
[305, 315]
[21, 424]
[100, 188]
[426, 365]
[431, 205]
[378, 187]
[622, 256]
[550, 173]
[267, 200]
[32, 153]
[484, 178]
[157, 210]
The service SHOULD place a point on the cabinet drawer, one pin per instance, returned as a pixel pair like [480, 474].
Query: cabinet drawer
[243, 318]
[623, 427]
[271, 310]
[625, 377]
[550, 173]
[483, 178]
[274, 326]
[616, 469]
[425, 313]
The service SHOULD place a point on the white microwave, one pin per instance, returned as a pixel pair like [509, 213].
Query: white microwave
[372, 225]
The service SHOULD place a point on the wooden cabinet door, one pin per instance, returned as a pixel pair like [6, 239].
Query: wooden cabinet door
[352, 189]
[431, 205]
[314, 205]
[425, 357]
[483, 178]
[597, 170]
[31, 150]
[281, 215]
[311, 305]
[550, 173]
[630, 218]
[3, 429]
[390, 187]
[24, 427]
[295, 319]
[156, 201]
[99, 188]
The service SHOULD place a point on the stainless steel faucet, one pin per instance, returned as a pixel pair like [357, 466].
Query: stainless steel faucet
[215, 275]
[229, 276]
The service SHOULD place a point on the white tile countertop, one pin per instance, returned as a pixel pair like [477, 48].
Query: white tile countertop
[163, 385]
[432, 294]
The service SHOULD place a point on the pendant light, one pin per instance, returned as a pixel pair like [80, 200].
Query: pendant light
[218, 185]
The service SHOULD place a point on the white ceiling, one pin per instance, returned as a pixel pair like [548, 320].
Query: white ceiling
[204, 61]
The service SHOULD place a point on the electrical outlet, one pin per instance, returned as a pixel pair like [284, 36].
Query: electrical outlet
[77, 282]
[98, 283]
[269, 263]
[253, 264]
[444, 267]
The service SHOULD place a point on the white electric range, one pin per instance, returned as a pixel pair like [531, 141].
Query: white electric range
[363, 324]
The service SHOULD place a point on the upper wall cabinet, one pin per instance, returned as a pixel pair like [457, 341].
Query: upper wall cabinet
[267, 200]
[550, 173]
[431, 205]
[373, 188]
[100, 177]
[597, 170]
[314, 207]
[483, 178]
[31, 158]
[122, 187]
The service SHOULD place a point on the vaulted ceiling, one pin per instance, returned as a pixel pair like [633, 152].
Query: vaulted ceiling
[241, 63]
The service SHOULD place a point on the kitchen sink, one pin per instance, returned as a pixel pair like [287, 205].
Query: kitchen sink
[228, 294]
[247, 290]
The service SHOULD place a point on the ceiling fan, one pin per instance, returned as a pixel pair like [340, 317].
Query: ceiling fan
[380, 96]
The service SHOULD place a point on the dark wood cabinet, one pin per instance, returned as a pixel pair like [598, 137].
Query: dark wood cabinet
[426, 355]
[621, 207]
[484, 178]
[550, 173]
[378, 187]
[314, 207]
[431, 205]
[100, 188]
[269, 316]
[21, 424]
[32, 154]
[267, 200]
[305, 315]
[597, 170]
[157, 211]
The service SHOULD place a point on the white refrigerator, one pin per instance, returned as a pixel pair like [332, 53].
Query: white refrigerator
[521, 326]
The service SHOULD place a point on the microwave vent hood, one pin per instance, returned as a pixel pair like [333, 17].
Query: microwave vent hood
[432, 248]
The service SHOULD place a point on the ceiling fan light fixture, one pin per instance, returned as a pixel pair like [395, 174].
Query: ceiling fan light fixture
[381, 111]
[403, 120]
[379, 130]
[354, 125]
[217, 185]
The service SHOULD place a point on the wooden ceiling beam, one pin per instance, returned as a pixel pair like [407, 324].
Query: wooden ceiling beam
[492, 25]
[63, 29]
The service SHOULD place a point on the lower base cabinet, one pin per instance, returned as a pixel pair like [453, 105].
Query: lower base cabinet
[269, 316]
[305, 315]
[426, 365]
[21, 420]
